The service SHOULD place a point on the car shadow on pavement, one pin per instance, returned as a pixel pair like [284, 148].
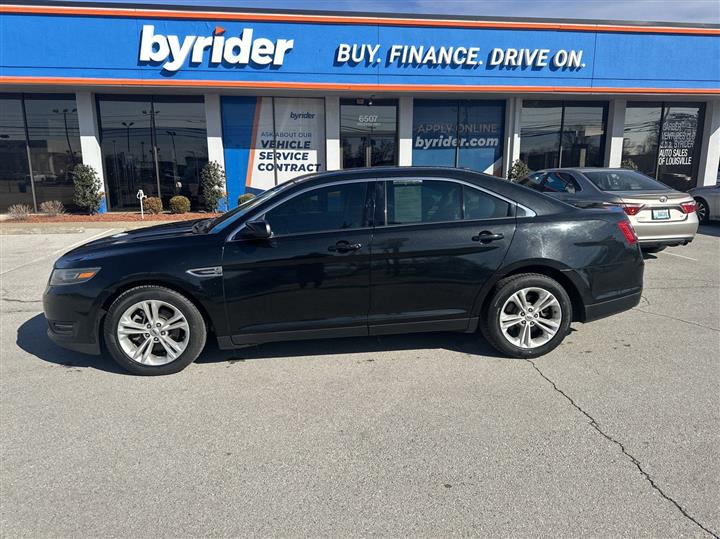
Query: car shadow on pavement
[32, 338]
[470, 344]
[712, 229]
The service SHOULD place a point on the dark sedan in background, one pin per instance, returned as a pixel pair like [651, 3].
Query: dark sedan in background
[660, 215]
[347, 254]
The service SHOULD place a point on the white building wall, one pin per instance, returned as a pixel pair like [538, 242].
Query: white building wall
[89, 134]
[405, 125]
[710, 145]
[213, 120]
[332, 133]
[615, 130]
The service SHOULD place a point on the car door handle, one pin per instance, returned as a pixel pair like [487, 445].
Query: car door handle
[486, 237]
[344, 247]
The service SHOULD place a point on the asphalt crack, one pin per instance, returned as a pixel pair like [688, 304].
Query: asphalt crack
[677, 319]
[594, 424]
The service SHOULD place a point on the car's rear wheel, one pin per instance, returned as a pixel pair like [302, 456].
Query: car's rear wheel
[528, 315]
[702, 210]
[152, 330]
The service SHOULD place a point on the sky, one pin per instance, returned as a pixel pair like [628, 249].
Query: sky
[689, 11]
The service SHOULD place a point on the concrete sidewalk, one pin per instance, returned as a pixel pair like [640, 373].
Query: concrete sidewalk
[19, 227]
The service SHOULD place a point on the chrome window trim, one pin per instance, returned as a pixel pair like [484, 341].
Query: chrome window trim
[528, 212]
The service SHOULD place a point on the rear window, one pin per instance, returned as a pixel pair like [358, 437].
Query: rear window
[624, 180]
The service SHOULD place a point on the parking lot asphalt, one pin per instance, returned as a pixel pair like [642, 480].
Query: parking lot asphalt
[615, 433]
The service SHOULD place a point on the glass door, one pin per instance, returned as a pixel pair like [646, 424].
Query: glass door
[368, 132]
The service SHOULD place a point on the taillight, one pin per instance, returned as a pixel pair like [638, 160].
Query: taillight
[628, 231]
[632, 209]
[688, 207]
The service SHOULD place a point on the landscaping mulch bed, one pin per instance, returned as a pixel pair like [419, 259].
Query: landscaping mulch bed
[111, 217]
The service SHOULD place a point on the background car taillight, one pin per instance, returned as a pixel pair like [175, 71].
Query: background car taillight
[688, 207]
[628, 231]
[632, 209]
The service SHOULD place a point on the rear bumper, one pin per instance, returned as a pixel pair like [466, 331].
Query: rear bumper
[666, 233]
[610, 307]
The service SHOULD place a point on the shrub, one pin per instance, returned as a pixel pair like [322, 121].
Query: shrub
[52, 208]
[242, 199]
[87, 188]
[629, 164]
[213, 185]
[153, 205]
[179, 204]
[19, 211]
[518, 170]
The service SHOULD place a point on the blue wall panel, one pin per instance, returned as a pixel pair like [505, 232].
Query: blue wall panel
[108, 47]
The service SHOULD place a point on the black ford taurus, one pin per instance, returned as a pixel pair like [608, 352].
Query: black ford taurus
[344, 254]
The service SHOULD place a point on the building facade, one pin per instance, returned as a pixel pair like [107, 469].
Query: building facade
[148, 96]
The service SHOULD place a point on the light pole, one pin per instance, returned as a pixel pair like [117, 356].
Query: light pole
[65, 112]
[174, 156]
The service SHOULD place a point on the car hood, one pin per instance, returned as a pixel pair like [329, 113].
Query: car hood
[157, 232]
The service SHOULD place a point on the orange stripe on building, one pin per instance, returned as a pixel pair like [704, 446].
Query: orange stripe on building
[366, 87]
[348, 19]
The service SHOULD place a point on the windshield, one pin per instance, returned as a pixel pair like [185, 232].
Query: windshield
[624, 180]
[219, 222]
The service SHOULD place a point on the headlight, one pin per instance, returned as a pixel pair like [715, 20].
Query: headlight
[72, 276]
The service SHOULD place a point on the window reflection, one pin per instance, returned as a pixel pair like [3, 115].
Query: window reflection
[54, 138]
[540, 123]
[15, 185]
[38, 132]
[562, 134]
[661, 140]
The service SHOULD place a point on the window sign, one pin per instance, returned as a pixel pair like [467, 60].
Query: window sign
[465, 134]
[288, 141]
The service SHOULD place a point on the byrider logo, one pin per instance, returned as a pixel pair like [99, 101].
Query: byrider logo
[240, 50]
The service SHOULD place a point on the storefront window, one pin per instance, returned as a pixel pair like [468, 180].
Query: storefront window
[270, 140]
[157, 144]
[661, 140]
[15, 187]
[562, 134]
[454, 133]
[38, 131]
[54, 138]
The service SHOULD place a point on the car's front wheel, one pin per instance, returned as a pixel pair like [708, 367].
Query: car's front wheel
[527, 316]
[152, 330]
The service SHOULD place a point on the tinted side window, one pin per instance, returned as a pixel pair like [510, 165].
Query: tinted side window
[479, 205]
[532, 181]
[559, 182]
[336, 207]
[423, 201]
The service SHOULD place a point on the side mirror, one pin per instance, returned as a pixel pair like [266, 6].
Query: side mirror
[257, 230]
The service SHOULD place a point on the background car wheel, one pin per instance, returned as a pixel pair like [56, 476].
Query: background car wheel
[151, 330]
[528, 315]
[702, 210]
[653, 248]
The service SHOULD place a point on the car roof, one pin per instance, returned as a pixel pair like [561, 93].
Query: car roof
[538, 202]
[585, 169]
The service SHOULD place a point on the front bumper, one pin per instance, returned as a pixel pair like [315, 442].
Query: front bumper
[73, 320]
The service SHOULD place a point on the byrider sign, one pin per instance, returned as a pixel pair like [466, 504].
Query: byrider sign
[234, 50]
[174, 53]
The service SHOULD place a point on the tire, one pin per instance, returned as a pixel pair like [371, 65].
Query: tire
[174, 339]
[702, 210]
[557, 315]
[653, 249]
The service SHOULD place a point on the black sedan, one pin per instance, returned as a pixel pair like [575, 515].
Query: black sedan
[345, 254]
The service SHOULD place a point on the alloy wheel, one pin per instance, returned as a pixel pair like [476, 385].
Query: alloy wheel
[530, 317]
[153, 332]
[701, 211]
